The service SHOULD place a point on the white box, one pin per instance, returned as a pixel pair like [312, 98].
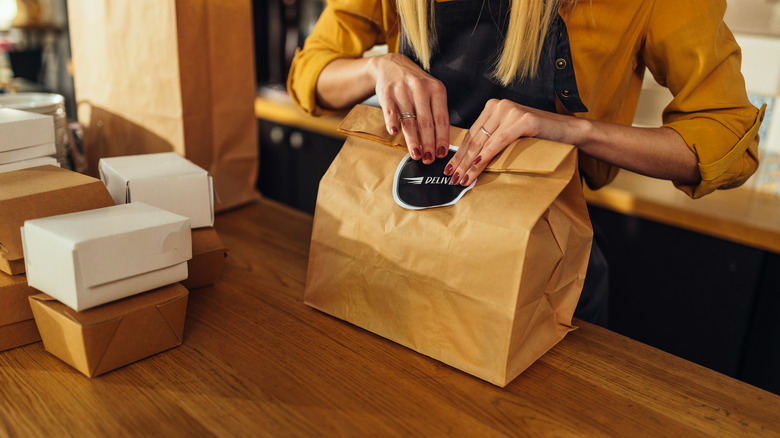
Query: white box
[21, 129]
[28, 153]
[24, 164]
[165, 180]
[93, 257]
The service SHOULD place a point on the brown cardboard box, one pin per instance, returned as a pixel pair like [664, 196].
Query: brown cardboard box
[208, 258]
[107, 337]
[41, 192]
[17, 326]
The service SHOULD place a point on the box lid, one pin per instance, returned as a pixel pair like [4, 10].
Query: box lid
[166, 180]
[114, 243]
[20, 129]
[146, 166]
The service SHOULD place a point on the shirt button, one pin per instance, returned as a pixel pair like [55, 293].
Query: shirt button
[560, 63]
[565, 92]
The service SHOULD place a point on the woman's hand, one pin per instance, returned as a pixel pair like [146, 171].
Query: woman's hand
[656, 152]
[499, 124]
[413, 102]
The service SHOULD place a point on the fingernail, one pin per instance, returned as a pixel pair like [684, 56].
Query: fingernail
[465, 181]
[428, 157]
[448, 170]
[479, 158]
[393, 130]
[416, 152]
[442, 151]
[455, 178]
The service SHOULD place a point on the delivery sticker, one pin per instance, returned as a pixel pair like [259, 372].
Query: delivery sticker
[417, 186]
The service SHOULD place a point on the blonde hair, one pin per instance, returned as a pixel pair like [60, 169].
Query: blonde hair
[529, 22]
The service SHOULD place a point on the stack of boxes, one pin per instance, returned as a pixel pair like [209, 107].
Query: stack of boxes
[29, 194]
[166, 180]
[110, 278]
[110, 273]
[26, 140]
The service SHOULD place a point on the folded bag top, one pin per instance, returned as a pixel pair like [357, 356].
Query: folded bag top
[525, 155]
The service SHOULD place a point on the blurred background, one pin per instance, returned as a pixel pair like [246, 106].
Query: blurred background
[34, 48]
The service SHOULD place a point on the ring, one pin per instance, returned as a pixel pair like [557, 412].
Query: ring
[406, 116]
[484, 131]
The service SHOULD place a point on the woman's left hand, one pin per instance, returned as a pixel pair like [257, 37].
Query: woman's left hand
[499, 124]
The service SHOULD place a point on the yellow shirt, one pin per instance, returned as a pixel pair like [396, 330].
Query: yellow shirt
[684, 44]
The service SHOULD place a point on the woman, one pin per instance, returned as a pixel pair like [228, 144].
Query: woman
[566, 71]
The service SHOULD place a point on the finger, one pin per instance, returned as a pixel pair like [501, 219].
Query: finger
[472, 140]
[425, 128]
[409, 128]
[495, 142]
[441, 121]
[461, 152]
[390, 112]
[472, 155]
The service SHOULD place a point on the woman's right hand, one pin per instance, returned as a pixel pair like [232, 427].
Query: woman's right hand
[402, 87]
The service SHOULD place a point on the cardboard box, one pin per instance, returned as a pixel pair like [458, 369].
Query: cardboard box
[208, 258]
[165, 180]
[21, 129]
[105, 338]
[94, 257]
[39, 192]
[17, 326]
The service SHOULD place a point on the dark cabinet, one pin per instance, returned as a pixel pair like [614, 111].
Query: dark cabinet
[705, 299]
[762, 356]
[292, 162]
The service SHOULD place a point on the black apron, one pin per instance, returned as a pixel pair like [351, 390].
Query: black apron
[468, 36]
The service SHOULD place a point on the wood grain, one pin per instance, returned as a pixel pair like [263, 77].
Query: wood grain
[741, 215]
[256, 361]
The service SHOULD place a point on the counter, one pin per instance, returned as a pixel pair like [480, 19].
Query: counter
[708, 268]
[257, 361]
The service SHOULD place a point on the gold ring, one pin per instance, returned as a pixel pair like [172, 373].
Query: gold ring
[406, 116]
[484, 131]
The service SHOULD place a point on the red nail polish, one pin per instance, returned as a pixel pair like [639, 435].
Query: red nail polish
[448, 170]
[455, 178]
[416, 153]
[428, 157]
[442, 151]
[479, 158]
[393, 130]
[465, 181]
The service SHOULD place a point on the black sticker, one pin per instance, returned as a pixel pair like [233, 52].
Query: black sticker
[417, 186]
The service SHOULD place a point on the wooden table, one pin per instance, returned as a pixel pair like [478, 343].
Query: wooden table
[257, 362]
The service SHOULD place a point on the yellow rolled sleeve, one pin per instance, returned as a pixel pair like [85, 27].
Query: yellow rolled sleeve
[691, 51]
[345, 29]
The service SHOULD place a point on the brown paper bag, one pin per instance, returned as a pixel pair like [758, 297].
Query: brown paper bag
[487, 285]
[169, 75]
